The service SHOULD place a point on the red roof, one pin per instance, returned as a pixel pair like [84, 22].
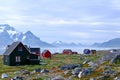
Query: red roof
[46, 54]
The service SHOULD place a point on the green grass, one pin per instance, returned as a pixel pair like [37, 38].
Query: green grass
[53, 63]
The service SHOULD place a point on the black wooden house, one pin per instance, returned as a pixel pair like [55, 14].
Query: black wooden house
[19, 54]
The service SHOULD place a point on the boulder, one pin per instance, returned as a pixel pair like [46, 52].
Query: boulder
[77, 70]
[86, 61]
[117, 78]
[4, 75]
[67, 72]
[109, 73]
[69, 66]
[44, 71]
[90, 63]
[24, 72]
[85, 72]
[38, 70]
[80, 74]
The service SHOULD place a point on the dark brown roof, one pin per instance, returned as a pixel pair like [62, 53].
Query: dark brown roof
[12, 47]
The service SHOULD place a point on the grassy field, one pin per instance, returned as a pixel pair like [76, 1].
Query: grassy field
[54, 63]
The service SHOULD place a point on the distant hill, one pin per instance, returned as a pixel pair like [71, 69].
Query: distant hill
[8, 35]
[111, 43]
[64, 44]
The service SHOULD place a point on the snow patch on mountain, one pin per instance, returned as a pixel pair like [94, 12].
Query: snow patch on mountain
[63, 44]
[8, 35]
[58, 42]
[1, 31]
[23, 38]
[11, 32]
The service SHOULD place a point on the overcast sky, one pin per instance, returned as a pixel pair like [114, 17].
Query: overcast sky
[79, 21]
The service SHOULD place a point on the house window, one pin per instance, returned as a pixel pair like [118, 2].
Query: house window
[17, 59]
[20, 48]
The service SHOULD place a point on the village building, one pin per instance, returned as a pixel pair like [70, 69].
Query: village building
[46, 54]
[35, 51]
[19, 54]
[67, 51]
[93, 52]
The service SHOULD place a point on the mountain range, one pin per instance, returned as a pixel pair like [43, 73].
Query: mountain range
[64, 44]
[8, 35]
[110, 43]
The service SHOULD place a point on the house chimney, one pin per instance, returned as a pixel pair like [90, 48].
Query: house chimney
[7, 47]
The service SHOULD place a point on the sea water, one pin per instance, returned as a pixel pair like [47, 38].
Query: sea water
[60, 49]
[75, 49]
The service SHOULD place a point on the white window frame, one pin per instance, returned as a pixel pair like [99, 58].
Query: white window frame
[17, 59]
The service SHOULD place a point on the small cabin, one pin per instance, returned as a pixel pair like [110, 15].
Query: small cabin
[67, 51]
[74, 52]
[93, 52]
[19, 54]
[46, 54]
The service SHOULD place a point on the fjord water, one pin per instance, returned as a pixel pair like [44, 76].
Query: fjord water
[76, 49]
[60, 49]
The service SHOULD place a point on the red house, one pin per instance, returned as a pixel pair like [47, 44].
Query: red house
[46, 54]
[67, 51]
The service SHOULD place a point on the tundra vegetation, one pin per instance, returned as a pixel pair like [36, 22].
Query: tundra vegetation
[54, 63]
